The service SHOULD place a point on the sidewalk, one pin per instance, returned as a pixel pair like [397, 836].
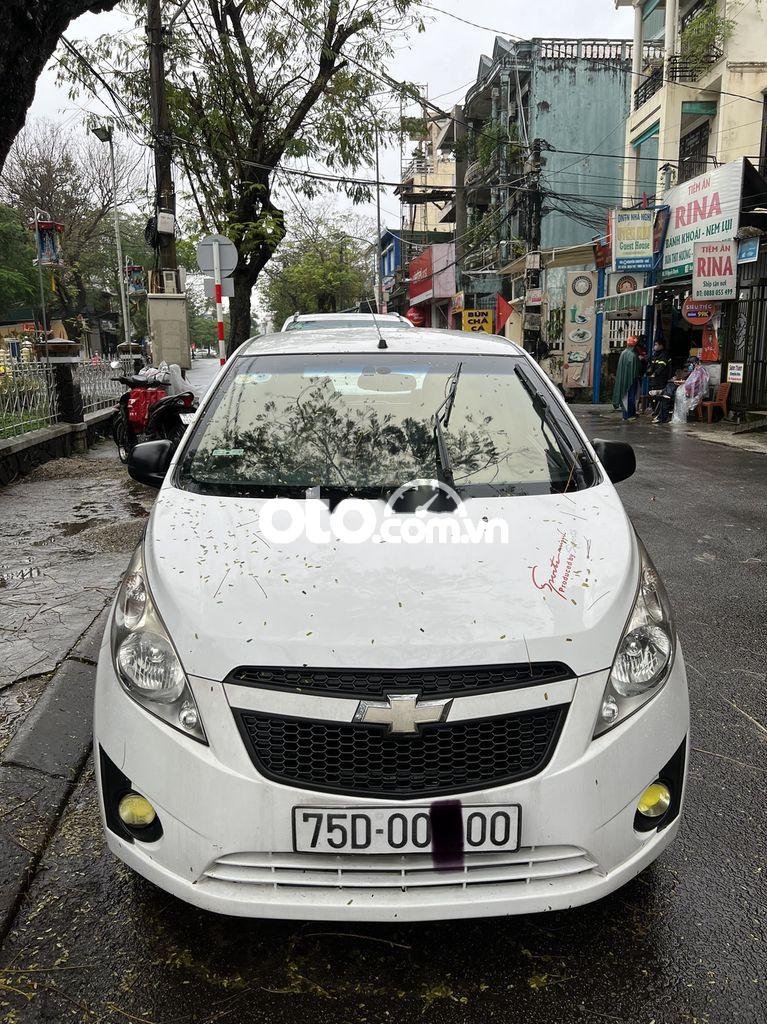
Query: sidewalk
[201, 374]
[69, 528]
[722, 433]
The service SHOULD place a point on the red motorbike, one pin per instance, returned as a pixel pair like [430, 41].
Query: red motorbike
[146, 412]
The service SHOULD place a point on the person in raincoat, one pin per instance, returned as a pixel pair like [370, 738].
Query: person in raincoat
[626, 377]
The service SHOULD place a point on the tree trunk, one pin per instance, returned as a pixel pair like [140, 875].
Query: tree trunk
[29, 33]
[239, 308]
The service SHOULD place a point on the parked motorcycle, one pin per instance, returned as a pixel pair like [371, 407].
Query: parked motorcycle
[155, 407]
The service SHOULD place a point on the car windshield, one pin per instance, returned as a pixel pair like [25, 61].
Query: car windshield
[369, 423]
[328, 323]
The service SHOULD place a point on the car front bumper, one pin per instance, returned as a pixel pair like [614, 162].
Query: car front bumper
[227, 843]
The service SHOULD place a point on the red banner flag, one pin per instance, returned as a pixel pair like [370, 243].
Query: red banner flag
[502, 313]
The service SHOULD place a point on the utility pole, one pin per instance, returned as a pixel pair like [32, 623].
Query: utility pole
[161, 133]
[532, 328]
[166, 302]
[459, 129]
[379, 259]
[105, 133]
[536, 199]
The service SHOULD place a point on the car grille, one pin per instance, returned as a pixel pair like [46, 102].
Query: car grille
[393, 872]
[435, 682]
[360, 759]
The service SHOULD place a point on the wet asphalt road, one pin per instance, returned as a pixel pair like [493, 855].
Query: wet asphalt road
[684, 942]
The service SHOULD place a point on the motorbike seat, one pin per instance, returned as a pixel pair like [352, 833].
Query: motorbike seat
[144, 382]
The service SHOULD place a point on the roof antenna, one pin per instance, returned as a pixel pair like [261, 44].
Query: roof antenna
[381, 339]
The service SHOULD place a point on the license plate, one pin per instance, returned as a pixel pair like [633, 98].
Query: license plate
[399, 830]
[186, 417]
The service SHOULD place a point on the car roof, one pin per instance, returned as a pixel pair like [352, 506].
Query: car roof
[366, 339]
[319, 317]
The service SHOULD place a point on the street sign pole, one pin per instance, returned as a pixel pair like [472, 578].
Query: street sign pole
[217, 254]
[219, 303]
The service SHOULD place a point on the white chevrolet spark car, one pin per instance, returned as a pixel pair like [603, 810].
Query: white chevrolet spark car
[390, 647]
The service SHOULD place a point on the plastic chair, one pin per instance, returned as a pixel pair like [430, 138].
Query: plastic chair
[720, 402]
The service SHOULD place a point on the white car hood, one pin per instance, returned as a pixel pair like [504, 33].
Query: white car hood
[561, 589]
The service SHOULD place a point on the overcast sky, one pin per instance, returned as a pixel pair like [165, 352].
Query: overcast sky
[445, 57]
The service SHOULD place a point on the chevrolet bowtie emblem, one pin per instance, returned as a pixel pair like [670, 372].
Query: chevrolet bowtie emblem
[402, 712]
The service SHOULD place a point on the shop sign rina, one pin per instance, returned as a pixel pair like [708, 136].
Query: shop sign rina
[704, 209]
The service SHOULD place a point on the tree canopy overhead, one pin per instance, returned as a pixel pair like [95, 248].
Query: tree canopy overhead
[252, 83]
[18, 279]
[29, 33]
[323, 268]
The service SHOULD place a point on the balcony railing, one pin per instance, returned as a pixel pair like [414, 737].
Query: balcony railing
[417, 167]
[683, 68]
[650, 85]
[594, 49]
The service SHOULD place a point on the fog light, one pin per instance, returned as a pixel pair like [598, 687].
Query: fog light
[655, 800]
[135, 811]
[188, 716]
[610, 709]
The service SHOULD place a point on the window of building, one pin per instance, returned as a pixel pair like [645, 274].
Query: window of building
[693, 152]
[646, 163]
[653, 21]
[646, 166]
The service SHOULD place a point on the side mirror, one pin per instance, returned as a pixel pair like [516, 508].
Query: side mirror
[148, 462]
[617, 458]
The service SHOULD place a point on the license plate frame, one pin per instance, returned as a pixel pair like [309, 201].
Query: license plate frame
[384, 829]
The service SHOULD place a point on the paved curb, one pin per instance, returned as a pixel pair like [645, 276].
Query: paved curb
[41, 765]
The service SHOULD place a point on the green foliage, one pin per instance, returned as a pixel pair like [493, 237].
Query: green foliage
[414, 127]
[18, 278]
[201, 317]
[250, 85]
[488, 142]
[323, 270]
[484, 143]
[707, 33]
[69, 175]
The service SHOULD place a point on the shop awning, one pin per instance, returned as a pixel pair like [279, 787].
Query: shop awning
[626, 300]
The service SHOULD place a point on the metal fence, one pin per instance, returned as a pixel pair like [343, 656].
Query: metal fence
[98, 389]
[28, 398]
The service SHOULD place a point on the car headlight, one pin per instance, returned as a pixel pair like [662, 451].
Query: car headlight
[145, 659]
[645, 652]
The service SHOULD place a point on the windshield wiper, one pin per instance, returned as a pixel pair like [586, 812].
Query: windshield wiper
[441, 421]
[578, 458]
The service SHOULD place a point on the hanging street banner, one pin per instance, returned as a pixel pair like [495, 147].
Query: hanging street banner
[134, 280]
[632, 232]
[579, 328]
[703, 209]
[48, 242]
[715, 267]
